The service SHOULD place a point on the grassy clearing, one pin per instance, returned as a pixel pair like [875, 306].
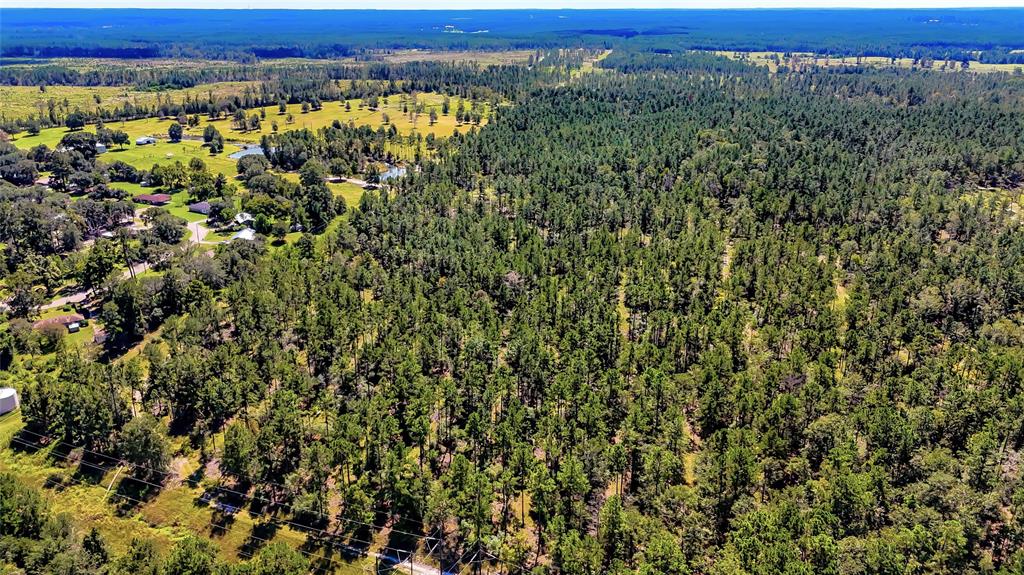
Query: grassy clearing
[392, 107]
[459, 56]
[170, 515]
[352, 193]
[588, 66]
[24, 101]
[801, 60]
[165, 152]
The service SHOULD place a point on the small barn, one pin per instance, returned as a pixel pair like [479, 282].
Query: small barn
[8, 400]
[145, 140]
[153, 199]
[101, 148]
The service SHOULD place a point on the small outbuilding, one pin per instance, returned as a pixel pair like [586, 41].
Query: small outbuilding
[153, 199]
[101, 148]
[243, 218]
[200, 208]
[145, 140]
[8, 400]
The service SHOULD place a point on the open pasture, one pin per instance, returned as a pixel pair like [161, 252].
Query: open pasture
[295, 119]
[24, 101]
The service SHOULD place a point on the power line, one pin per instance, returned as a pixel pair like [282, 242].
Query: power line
[235, 492]
[303, 528]
[211, 523]
[299, 527]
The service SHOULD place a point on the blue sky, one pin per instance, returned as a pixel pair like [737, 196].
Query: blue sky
[476, 4]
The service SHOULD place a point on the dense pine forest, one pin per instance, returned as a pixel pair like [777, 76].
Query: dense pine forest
[678, 314]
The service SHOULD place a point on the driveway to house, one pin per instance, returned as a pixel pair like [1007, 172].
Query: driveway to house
[81, 296]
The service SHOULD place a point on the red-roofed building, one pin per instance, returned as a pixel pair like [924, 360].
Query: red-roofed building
[153, 199]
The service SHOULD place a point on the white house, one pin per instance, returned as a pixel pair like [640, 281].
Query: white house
[8, 400]
[244, 234]
[144, 140]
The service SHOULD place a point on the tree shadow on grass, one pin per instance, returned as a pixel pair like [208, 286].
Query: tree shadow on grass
[196, 476]
[259, 536]
[220, 523]
[26, 443]
[400, 539]
[90, 469]
[132, 492]
[326, 551]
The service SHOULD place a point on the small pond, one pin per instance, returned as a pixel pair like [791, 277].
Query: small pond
[392, 172]
[246, 151]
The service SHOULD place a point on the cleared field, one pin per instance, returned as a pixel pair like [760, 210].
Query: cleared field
[480, 57]
[166, 152]
[351, 193]
[24, 101]
[356, 113]
[405, 122]
[798, 60]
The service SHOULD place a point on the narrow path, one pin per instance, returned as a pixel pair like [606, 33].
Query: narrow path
[356, 181]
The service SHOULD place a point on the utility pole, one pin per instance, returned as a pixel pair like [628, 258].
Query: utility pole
[124, 250]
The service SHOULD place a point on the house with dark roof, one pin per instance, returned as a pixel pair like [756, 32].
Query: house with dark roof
[66, 320]
[153, 199]
[200, 208]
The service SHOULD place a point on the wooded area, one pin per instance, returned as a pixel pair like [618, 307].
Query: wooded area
[675, 315]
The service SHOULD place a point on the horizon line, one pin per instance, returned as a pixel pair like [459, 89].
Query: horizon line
[532, 8]
[732, 5]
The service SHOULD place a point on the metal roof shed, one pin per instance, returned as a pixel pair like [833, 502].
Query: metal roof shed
[8, 400]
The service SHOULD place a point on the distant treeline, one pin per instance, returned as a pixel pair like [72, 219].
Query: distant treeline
[434, 74]
[255, 34]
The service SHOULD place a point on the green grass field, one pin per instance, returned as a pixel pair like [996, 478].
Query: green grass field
[24, 101]
[445, 126]
[166, 152]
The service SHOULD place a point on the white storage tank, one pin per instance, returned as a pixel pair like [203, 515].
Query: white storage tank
[8, 400]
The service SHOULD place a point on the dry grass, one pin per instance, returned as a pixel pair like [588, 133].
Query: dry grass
[803, 60]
